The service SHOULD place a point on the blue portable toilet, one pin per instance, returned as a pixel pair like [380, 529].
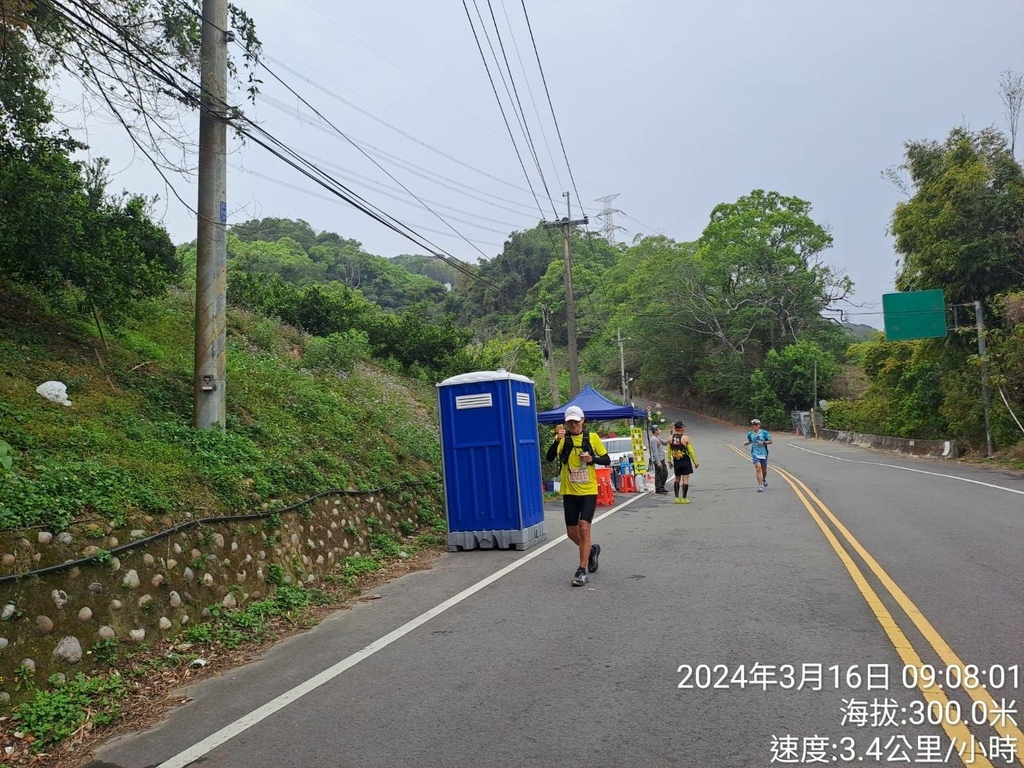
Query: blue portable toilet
[491, 461]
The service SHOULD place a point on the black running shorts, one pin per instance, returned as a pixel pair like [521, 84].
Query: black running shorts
[682, 466]
[579, 508]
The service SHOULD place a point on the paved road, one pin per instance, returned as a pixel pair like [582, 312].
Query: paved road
[711, 636]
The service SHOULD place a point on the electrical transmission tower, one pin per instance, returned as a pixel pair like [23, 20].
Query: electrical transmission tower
[607, 215]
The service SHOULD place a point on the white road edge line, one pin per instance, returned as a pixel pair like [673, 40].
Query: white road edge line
[909, 469]
[214, 740]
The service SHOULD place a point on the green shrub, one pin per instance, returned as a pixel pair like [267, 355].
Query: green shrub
[275, 574]
[337, 352]
[430, 540]
[351, 568]
[6, 455]
[384, 543]
[51, 716]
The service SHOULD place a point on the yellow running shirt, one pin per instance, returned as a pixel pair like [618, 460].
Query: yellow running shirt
[579, 479]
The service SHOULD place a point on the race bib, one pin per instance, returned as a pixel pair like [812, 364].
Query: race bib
[581, 475]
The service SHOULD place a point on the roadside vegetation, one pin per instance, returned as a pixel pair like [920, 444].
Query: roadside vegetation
[333, 352]
[126, 448]
[64, 718]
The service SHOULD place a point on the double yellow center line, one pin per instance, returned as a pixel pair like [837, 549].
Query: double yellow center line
[958, 732]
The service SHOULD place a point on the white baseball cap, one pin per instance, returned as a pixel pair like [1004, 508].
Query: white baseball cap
[574, 413]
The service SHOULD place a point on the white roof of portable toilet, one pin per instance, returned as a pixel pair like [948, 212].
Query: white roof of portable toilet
[470, 378]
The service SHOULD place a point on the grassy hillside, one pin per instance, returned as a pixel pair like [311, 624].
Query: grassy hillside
[125, 448]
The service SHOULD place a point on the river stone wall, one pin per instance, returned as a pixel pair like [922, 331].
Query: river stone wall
[49, 623]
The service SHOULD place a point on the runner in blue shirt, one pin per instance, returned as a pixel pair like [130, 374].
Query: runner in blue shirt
[758, 439]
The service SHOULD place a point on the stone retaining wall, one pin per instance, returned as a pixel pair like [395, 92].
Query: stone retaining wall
[50, 622]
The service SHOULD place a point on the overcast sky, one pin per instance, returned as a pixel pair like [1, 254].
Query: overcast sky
[676, 105]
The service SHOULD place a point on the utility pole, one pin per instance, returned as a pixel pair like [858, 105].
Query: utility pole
[570, 305]
[985, 397]
[209, 403]
[551, 358]
[622, 364]
[814, 402]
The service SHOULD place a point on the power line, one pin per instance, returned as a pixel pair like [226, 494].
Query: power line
[645, 226]
[502, 108]
[394, 128]
[551, 105]
[398, 68]
[310, 193]
[336, 84]
[367, 180]
[405, 200]
[291, 157]
[533, 101]
[342, 133]
[263, 138]
[524, 125]
[405, 165]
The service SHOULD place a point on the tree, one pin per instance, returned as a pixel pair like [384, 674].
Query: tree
[761, 275]
[634, 296]
[502, 283]
[514, 354]
[791, 372]
[1011, 93]
[61, 232]
[124, 256]
[138, 61]
[271, 230]
[428, 266]
[764, 402]
[592, 257]
[38, 182]
[907, 393]
[962, 229]
[284, 257]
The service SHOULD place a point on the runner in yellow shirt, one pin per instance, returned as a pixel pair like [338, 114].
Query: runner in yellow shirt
[579, 452]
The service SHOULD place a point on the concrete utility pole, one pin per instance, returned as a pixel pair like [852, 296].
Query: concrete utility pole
[570, 305]
[814, 402]
[552, 375]
[985, 396]
[209, 403]
[622, 364]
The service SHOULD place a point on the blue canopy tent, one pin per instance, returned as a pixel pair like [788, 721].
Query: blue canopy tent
[595, 406]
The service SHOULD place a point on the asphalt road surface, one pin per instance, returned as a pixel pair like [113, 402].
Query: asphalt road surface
[812, 623]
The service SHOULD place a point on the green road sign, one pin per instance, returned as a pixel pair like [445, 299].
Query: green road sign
[914, 315]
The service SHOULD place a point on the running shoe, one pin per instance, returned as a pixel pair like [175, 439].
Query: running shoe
[580, 578]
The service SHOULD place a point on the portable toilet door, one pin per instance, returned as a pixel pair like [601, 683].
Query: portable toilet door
[491, 461]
